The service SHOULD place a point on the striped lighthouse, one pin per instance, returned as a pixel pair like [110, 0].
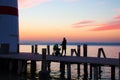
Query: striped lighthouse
[9, 24]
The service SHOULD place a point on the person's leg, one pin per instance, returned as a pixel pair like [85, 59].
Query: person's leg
[65, 51]
[62, 52]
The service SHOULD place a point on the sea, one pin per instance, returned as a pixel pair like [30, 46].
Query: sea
[112, 50]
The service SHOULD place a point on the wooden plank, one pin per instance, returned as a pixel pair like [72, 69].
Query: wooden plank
[70, 59]
[93, 60]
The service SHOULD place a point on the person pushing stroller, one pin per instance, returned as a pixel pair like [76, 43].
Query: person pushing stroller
[56, 49]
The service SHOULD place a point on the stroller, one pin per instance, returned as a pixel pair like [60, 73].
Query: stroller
[56, 50]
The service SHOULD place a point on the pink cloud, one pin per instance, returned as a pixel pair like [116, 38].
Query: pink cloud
[82, 23]
[30, 3]
[85, 22]
[117, 17]
[114, 25]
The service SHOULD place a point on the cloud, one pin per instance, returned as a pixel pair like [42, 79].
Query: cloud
[82, 23]
[30, 3]
[117, 17]
[114, 25]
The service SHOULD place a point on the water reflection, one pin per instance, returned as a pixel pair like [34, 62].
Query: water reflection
[12, 76]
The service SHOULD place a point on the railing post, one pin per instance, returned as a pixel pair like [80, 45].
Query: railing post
[72, 52]
[48, 49]
[36, 48]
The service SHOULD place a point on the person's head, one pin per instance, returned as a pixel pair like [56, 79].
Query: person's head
[64, 38]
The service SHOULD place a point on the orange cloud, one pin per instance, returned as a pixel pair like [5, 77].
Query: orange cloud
[29, 3]
[82, 23]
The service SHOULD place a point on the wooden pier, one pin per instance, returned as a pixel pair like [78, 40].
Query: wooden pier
[94, 62]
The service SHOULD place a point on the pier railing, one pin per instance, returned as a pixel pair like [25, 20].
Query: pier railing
[94, 63]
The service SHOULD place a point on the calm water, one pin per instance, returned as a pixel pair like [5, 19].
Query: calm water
[110, 51]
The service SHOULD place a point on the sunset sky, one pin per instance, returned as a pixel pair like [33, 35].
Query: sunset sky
[77, 20]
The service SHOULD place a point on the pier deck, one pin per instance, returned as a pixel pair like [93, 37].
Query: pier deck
[67, 59]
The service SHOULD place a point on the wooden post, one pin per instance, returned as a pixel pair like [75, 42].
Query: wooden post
[32, 50]
[119, 65]
[33, 63]
[69, 71]
[78, 65]
[36, 48]
[95, 72]
[85, 64]
[44, 66]
[101, 51]
[48, 49]
[72, 52]
[44, 74]
[49, 62]
[85, 50]
[62, 70]
[90, 71]
[112, 72]
[99, 71]
[19, 66]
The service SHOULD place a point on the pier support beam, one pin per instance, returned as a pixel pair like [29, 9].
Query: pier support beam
[68, 71]
[78, 65]
[62, 70]
[112, 72]
[48, 62]
[119, 65]
[85, 64]
[95, 72]
[44, 74]
[33, 63]
[91, 71]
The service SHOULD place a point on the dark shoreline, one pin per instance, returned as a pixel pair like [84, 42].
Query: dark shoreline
[74, 43]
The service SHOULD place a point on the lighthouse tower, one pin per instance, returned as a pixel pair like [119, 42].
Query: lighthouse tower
[9, 24]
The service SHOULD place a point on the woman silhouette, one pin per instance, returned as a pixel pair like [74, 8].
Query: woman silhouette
[64, 42]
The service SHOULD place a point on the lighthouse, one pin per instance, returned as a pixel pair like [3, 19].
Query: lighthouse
[9, 33]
